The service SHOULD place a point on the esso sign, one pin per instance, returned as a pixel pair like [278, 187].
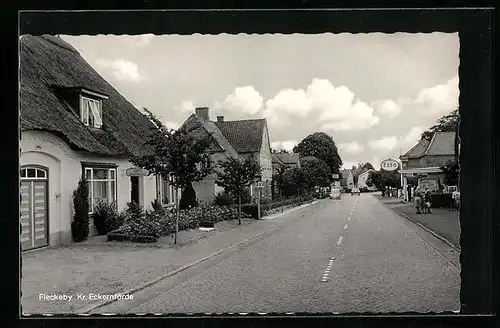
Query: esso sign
[389, 165]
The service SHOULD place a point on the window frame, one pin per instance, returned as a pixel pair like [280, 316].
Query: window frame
[85, 107]
[37, 170]
[111, 169]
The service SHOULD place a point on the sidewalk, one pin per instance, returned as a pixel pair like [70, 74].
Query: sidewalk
[443, 222]
[98, 267]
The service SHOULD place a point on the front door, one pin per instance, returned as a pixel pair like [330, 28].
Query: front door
[134, 193]
[34, 208]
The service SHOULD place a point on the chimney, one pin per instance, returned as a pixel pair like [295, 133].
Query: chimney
[202, 112]
[220, 118]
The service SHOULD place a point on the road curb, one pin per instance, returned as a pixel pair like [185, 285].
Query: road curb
[182, 268]
[438, 236]
[276, 215]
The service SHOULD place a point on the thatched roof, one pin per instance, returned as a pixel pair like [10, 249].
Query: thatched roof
[49, 64]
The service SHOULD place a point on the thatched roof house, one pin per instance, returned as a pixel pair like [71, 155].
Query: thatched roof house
[51, 71]
[75, 125]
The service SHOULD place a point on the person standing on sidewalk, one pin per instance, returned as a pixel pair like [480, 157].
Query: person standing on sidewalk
[418, 200]
[427, 201]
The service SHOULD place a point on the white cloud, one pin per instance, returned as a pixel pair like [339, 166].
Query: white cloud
[276, 119]
[286, 145]
[440, 99]
[187, 106]
[352, 147]
[436, 100]
[337, 107]
[413, 136]
[388, 108]
[387, 143]
[245, 99]
[123, 69]
[290, 102]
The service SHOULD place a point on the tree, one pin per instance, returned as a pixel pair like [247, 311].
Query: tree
[452, 173]
[236, 175]
[317, 170]
[322, 146]
[175, 154]
[295, 181]
[382, 179]
[447, 123]
[188, 198]
[366, 166]
[80, 223]
[279, 178]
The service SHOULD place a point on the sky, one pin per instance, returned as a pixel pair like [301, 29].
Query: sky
[373, 93]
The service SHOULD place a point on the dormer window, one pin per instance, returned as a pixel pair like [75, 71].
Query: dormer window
[91, 111]
[85, 103]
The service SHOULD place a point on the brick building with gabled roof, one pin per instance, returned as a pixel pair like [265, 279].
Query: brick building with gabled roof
[239, 139]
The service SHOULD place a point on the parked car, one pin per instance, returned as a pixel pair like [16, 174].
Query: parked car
[335, 194]
[355, 191]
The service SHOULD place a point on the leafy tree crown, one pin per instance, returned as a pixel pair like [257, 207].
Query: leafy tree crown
[176, 154]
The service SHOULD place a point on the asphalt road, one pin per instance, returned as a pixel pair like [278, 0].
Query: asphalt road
[348, 255]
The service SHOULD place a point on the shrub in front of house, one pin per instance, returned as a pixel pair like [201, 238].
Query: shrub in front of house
[106, 217]
[157, 206]
[223, 199]
[134, 210]
[188, 198]
[151, 225]
[80, 223]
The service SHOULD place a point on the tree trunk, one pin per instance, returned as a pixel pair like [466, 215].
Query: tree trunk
[281, 199]
[239, 209]
[178, 215]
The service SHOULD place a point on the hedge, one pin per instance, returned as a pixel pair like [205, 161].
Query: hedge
[148, 226]
[252, 209]
[441, 200]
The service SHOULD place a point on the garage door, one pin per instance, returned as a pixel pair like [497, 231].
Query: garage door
[34, 205]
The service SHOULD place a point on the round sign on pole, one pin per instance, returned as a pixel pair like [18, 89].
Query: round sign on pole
[389, 165]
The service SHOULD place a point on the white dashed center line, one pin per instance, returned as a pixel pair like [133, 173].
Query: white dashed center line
[340, 241]
[327, 271]
[349, 219]
[345, 227]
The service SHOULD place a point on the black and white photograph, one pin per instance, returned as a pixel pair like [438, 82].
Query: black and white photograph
[240, 173]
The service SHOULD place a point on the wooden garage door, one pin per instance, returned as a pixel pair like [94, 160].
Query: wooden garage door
[34, 204]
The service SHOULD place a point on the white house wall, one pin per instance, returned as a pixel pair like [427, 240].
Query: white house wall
[362, 180]
[65, 170]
